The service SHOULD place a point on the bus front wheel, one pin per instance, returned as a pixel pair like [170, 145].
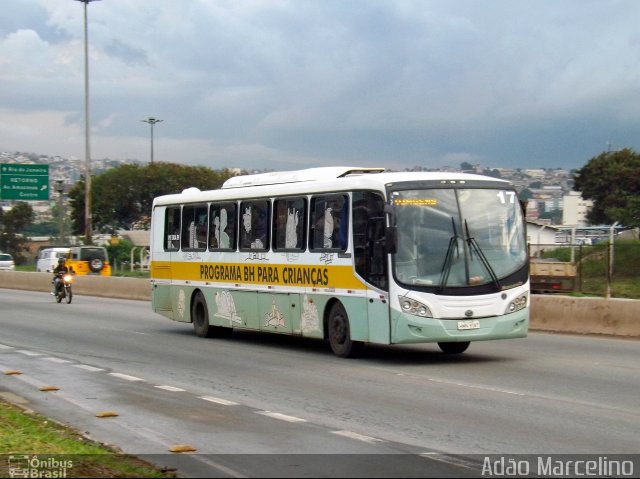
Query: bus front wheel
[454, 348]
[200, 316]
[340, 334]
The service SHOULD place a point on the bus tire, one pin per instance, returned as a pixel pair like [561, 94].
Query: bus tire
[454, 348]
[200, 316]
[340, 334]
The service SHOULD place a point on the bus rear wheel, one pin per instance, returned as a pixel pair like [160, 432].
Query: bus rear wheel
[454, 348]
[200, 316]
[340, 334]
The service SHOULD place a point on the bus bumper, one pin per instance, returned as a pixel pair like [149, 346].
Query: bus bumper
[407, 328]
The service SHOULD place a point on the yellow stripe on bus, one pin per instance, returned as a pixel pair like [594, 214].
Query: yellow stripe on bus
[317, 276]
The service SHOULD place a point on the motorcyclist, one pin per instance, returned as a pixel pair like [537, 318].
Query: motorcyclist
[58, 272]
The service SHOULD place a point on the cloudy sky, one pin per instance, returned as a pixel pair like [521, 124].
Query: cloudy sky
[283, 84]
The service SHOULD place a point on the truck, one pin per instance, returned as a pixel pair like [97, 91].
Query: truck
[549, 275]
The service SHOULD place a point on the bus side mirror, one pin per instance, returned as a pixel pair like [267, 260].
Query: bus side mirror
[391, 239]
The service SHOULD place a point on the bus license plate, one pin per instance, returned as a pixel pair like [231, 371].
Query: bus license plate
[468, 324]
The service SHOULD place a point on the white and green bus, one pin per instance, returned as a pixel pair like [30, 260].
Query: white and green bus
[351, 255]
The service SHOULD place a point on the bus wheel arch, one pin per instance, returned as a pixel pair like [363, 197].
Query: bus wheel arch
[200, 315]
[338, 330]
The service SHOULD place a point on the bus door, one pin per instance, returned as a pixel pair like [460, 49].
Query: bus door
[378, 276]
[165, 244]
[371, 262]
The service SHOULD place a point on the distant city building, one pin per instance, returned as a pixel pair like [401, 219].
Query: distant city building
[574, 212]
[532, 209]
[536, 173]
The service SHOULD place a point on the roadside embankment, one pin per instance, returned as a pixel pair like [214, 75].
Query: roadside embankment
[554, 313]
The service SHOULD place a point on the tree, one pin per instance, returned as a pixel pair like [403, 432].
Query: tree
[612, 182]
[525, 194]
[495, 173]
[12, 223]
[120, 252]
[122, 197]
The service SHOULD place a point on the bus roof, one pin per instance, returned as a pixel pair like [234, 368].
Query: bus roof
[310, 174]
[315, 180]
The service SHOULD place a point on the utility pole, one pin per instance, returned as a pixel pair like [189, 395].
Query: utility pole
[88, 216]
[60, 190]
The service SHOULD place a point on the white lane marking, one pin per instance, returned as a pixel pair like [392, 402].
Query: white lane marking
[56, 360]
[475, 386]
[126, 376]
[28, 353]
[455, 383]
[86, 367]
[170, 388]
[280, 416]
[358, 437]
[4, 346]
[224, 402]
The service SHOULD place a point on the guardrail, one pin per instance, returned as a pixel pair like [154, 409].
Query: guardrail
[554, 313]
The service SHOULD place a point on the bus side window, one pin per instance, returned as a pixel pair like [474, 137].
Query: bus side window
[289, 216]
[222, 227]
[172, 229]
[330, 223]
[255, 221]
[194, 227]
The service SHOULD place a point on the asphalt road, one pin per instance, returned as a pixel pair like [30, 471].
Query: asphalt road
[260, 405]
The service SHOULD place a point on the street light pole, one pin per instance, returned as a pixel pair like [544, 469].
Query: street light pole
[60, 190]
[88, 219]
[151, 121]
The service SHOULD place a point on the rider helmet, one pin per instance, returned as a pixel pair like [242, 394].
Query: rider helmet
[60, 261]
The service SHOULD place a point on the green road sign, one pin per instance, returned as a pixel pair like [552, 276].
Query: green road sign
[24, 182]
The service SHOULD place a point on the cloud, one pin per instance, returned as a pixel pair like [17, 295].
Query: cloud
[379, 82]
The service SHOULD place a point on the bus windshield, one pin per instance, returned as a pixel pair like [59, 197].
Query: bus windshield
[457, 238]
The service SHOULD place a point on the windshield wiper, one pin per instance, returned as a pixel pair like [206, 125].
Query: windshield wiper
[448, 259]
[473, 244]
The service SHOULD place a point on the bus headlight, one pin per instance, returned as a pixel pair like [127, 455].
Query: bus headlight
[414, 307]
[517, 304]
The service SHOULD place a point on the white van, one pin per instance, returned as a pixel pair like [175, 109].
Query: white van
[48, 258]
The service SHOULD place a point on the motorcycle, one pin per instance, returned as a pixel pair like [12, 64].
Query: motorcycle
[64, 288]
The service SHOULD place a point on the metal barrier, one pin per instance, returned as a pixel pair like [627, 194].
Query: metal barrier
[609, 270]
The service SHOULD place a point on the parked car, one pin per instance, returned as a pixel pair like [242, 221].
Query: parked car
[6, 262]
[48, 258]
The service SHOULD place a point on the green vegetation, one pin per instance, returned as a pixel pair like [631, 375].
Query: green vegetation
[13, 222]
[123, 196]
[26, 433]
[593, 268]
[611, 180]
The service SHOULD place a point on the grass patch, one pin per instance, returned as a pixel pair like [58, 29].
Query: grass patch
[25, 433]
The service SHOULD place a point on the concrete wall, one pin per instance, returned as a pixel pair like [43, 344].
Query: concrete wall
[106, 286]
[563, 314]
[618, 317]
